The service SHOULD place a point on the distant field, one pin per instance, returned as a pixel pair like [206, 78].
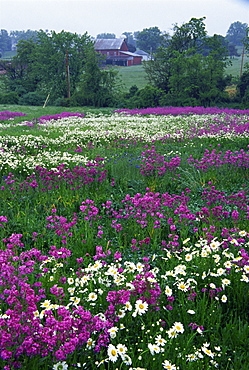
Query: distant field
[8, 54]
[235, 67]
[133, 75]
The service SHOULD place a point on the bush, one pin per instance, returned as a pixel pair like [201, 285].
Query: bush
[9, 98]
[32, 98]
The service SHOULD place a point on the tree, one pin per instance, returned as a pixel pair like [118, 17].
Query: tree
[149, 39]
[51, 63]
[5, 41]
[189, 66]
[106, 36]
[189, 36]
[236, 33]
[17, 36]
[97, 87]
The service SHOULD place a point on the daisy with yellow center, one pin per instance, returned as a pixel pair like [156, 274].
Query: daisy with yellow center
[92, 296]
[167, 365]
[207, 351]
[112, 353]
[140, 308]
[46, 304]
[172, 333]
[122, 349]
[178, 327]
[182, 286]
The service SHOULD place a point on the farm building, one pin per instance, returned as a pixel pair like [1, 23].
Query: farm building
[116, 52]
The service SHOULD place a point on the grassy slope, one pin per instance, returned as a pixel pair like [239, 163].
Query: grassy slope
[133, 75]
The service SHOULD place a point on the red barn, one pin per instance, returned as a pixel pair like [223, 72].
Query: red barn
[116, 52]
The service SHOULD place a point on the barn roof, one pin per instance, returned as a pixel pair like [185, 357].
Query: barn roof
[108, 44]
[131, 54]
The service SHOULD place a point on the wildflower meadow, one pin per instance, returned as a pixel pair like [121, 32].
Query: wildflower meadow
[124, 240]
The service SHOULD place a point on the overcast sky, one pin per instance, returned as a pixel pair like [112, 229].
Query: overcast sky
[118, 16]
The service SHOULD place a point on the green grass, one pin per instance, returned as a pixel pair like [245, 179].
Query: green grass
[34, 112]
[8, 54]
[235, 67]
[133, 75]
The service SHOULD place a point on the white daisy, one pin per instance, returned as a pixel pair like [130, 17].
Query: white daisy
[60, 366]
[113, 331]
[122, 349]
[224, 298]
[178, 327]
[112, 353]
[167, 365]
[154, 348]
[92, 296]
[140, 308]
[160, 341]
[168, 291]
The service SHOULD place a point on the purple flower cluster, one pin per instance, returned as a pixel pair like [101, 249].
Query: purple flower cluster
[44, 179]
[61, 226]
[175, 111]
[57, 116]
[216, 158]
[154, 164]
[6, 115]
[58, 332]
[172, 212]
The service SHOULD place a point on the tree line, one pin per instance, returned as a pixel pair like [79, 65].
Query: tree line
[149, 39]
[187, 68]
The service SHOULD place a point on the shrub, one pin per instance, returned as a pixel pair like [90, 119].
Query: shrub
[32, 98]
[9, 98]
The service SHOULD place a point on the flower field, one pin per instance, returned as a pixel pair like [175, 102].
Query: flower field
[124, 240]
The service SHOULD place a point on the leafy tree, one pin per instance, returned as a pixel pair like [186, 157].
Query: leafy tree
[5, 41]
[17, 36]
[189, 66]
[106, 36]
[52, 63]
[243, 86]
[149, 39]
[189, 36]
[236, 33]
[97, 87]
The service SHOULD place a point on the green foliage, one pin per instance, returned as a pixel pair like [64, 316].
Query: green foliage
[106, 36]
[32, 98]
[243, 87]
[236, 33]
[5, 41]
[189, 35]
[50, 63]
[149, 39]
[190, 67]
[9, 98]
[97, 87]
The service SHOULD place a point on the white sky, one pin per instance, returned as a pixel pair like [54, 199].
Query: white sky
[118, 16]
